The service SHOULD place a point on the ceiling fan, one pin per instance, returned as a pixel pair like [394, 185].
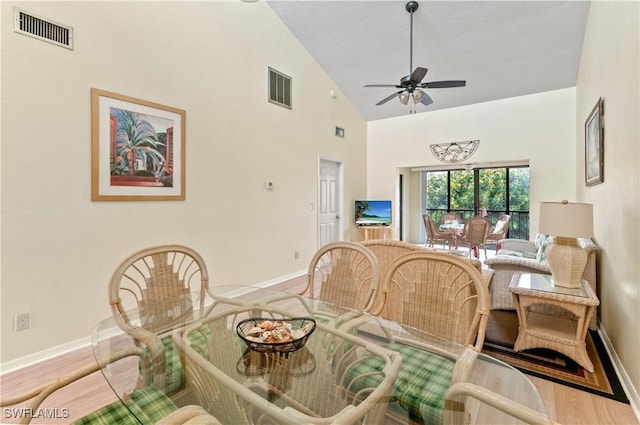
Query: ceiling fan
[412, 85]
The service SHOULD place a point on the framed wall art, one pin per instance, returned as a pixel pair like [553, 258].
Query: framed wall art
[137, 149]
[594, 145]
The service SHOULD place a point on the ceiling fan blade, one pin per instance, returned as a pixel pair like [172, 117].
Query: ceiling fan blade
[388, 98]
[426, 100]
[418, 74]
[384, 85]
[444, 84]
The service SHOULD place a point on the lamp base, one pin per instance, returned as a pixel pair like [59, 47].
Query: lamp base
[567, 262]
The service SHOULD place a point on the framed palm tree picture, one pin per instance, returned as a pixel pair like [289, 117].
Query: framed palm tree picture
[137, 149]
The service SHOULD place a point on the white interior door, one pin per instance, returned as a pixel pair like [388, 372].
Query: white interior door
[329, 208]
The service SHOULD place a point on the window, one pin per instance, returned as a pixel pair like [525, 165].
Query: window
[489, 192]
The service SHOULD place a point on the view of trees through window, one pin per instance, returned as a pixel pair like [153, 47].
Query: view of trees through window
[489, 192]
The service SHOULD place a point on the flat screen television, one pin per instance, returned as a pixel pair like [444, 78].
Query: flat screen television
[371, 213]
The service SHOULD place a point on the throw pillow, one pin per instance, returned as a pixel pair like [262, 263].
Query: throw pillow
[540, 238]
[499, 227]
[541, 257]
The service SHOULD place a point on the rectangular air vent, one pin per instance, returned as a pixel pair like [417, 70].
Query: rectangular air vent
[33, 26]
[279, 88]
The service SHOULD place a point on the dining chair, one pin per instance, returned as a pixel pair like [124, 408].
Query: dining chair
[434, 235]
[474, 235]
[162, 283]
[442, 294]
[347, 274]
[144, 405]
[449, 218]
[499, 232]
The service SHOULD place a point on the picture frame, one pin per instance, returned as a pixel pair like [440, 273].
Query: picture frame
[594, 145]
[137, 149]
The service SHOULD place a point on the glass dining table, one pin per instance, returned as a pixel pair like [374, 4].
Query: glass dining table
[354, 368]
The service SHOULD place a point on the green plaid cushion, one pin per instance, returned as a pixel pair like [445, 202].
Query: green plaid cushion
[148, 405]
[174, 378]
[420, 387]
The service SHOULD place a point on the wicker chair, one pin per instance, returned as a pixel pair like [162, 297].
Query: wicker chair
[450, 218]
[499, 232]
[433, 235]
[348, 275]
[386, 251]
[439, 293]
[149, 403]
[474, 236]
[160, 283]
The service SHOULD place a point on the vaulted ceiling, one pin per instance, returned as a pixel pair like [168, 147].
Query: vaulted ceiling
[501, 48]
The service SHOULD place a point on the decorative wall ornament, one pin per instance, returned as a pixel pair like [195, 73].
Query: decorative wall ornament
[456, 151]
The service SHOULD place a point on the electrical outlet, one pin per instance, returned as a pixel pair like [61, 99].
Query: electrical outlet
[296, 255]
[23, 322]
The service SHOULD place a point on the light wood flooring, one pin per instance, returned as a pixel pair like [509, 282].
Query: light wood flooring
[565, 405]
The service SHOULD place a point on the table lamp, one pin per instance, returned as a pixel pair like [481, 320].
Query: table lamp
[566, 221]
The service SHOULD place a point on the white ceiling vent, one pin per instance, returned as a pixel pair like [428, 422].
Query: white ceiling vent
[279, 88]
[33, 26]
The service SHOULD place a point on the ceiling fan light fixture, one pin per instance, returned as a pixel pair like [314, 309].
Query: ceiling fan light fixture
[417, 95]
[404, 97]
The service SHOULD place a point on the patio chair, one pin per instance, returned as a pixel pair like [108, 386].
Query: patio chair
[474, 236]
[499, 232]
[449, 218]
[433, 235]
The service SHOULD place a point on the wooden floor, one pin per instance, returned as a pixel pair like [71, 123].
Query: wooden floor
[565, 405]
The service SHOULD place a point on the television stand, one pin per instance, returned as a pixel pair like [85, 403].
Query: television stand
[374, 232]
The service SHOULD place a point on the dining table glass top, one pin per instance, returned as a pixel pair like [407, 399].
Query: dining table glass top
[353, 368]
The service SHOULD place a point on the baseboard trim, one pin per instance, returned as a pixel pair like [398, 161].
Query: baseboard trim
[40, 356]
[67, 347]
[623, 376]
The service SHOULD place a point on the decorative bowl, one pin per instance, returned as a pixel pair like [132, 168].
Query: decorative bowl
[269, 335]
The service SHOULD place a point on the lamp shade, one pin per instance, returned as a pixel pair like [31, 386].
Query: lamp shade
[417, 95]
[564, 219]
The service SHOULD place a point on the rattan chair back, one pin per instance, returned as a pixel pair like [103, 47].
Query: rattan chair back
[439, 293]
[450, 218]
[500, 230]
[433, 235]
[346, 273]
[475, 234]
[160, 283]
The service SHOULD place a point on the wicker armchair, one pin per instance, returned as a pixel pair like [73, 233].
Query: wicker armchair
[499, 232]
[449, 218]
[474, 236]
[347, 274]
[433, 235]
[387, 251]
[439, 293]
[148, 401]
[160, 283]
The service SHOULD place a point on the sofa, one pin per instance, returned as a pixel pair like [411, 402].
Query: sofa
[517, 255]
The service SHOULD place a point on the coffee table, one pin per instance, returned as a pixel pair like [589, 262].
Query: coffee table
[542, 329]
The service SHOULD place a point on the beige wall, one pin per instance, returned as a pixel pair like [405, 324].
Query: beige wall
[208, 58]
[609, 68]
[538, 128]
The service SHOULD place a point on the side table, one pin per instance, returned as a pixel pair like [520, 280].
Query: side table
[536, 329]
